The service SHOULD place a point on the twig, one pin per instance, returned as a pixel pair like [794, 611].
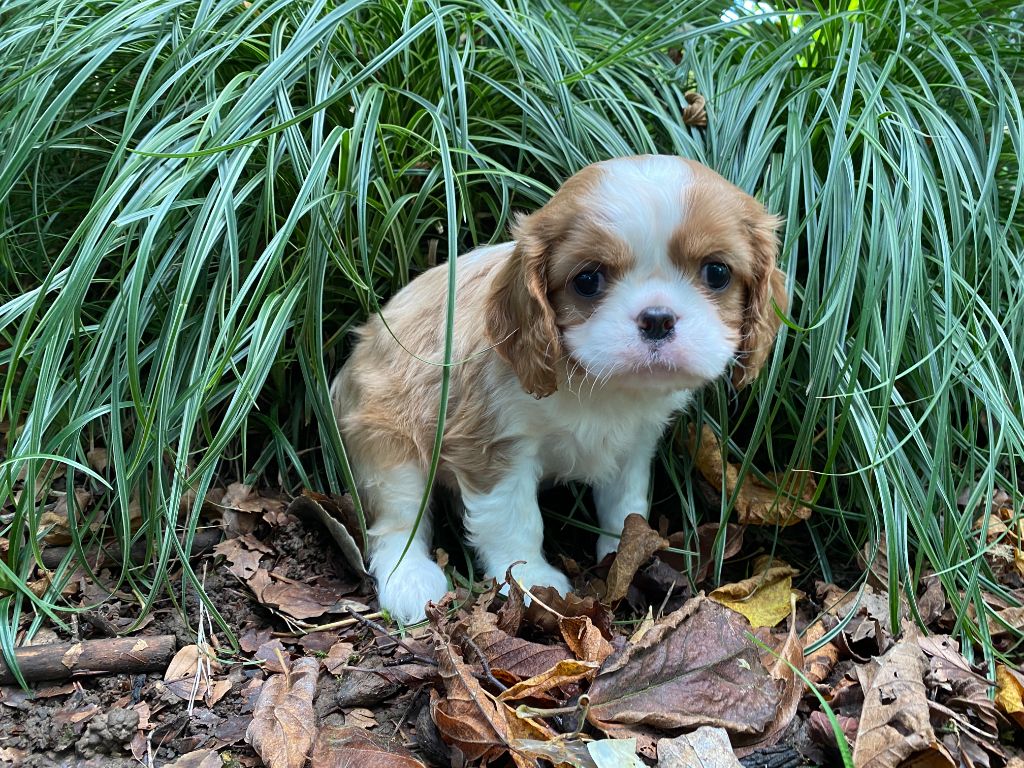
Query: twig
[383, 631]
[487, 667]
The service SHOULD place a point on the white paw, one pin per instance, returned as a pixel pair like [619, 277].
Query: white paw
[540, 574]
[606, 545]
[405, 591]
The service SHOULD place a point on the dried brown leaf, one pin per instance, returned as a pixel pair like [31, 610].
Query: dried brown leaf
[242, 562]
[696, 667]
[818, 664]
[639, 541]
[301, 601]
[202, 758]
[706, 747]
[757, 503]
[284, 724]
[895, 723]
[558, 751]
[584, 639]
[352, 747]
[550, 608]
[338, 657]
[521, 658]
[562, 674]
[467, 717]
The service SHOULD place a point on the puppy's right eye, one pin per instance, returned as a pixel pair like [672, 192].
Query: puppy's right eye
[589, 284]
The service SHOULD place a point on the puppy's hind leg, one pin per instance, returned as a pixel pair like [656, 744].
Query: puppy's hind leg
[405, 582]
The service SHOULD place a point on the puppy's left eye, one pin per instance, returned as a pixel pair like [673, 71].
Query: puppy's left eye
[589, 284]
[716, 275]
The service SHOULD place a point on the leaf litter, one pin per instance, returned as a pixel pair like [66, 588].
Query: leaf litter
[642, 668]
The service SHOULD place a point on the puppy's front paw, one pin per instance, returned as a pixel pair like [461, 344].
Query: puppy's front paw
[540, 574]
[405, 592]
[606, 545]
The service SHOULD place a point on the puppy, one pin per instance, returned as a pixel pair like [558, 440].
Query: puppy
[640, 281]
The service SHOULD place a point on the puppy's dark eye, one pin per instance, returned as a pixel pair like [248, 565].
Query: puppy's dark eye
[588, 284]
[715, 275]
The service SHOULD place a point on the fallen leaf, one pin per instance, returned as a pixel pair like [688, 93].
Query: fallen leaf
[351, 747]
[584, 639]
[818, 665]
[895, 723]
[283, 722]
[338, 516]
[820, 730]
[555, 607]
[361, 718]
[764, 597]
[639, 541]
[756, 503]
[242, 562]
[202, 758]
[706, 747]
[520, 658]
[190, 675]
[300, 601]
[338, 658]
[615, 753]
[271, 653]
[695, 667]
[563, 673]
[55, 523]
[1010, 694]
[467, 718]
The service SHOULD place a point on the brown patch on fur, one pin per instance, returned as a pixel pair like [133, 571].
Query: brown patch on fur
[724, 223]
[520, 318]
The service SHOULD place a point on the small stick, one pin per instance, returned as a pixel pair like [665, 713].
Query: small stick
[487, 667]
[382, 630]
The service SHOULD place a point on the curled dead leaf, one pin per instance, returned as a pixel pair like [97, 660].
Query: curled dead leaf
[639, 541]
[352, 747]
[756, 503]
[764, 597]
[1010, 693]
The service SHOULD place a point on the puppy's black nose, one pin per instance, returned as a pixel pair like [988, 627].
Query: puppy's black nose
[656, 323]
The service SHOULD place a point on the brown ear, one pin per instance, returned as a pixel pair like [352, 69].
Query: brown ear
[760, 321]
[520, 320]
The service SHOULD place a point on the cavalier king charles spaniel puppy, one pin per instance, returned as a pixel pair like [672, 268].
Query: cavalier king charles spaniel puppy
[639, 282]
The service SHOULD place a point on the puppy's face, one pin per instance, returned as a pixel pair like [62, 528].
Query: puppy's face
[644, 272]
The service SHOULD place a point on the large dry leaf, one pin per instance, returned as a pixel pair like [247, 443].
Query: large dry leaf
[695, 667]
[756, 504]
[639, 541]
[283, 722]
[764, 597]
[520, 658]
[467, 717]
[705, 747]
[895, 723]
[351, 747]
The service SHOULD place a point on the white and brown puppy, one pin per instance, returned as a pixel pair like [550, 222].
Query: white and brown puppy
[639, 282]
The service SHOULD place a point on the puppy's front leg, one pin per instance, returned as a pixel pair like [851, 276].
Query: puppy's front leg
[504, 525]
[623, 494]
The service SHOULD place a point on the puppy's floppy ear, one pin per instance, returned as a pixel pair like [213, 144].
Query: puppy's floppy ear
[760, 321]
[520, 319]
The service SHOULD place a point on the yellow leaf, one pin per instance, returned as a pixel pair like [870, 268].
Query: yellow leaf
[1008, 694]
[764, 597]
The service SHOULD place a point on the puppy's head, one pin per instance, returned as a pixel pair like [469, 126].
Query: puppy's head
[649, 272]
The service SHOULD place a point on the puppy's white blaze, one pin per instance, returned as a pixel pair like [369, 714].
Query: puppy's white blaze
[698, 350]
[641, 200]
